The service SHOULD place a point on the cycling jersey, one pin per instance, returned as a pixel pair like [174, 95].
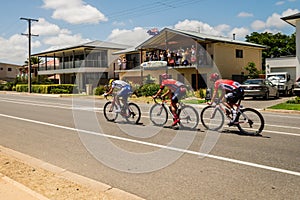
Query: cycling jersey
[232, 89]
[227, 85]
[172, 84]
[177, 88]
[125, 88]
[119, 84]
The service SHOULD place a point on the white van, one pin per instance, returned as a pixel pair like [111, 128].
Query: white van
[283, 82]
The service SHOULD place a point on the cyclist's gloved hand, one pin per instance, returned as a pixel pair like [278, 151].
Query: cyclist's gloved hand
[105, 94]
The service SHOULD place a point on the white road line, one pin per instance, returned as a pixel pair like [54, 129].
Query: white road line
[279, 126]
[160, 146]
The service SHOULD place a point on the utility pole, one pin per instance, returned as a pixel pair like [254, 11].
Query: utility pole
[29, 49]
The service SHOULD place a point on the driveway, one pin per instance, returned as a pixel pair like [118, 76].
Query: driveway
[263, 104]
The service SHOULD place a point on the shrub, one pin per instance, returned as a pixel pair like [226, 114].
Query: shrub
[58, 91]
[99, 90]
[47, 89]
[294, 101]
[147, 90]
[201, 93]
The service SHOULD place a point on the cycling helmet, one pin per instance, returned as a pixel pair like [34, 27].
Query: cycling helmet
[110, 81]
[165, 76]
[214, 77]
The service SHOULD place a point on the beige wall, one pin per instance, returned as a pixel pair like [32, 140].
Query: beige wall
[5, 74]
[228, 64]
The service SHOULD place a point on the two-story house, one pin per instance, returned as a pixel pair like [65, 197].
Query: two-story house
[191, 57]
[8, 72]
[89, 63]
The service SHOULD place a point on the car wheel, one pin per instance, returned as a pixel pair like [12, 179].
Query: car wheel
[285, 93]
[277, 95]
[266, 96]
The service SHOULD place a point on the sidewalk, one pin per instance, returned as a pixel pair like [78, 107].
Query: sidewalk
[12, 190]
[23, 177]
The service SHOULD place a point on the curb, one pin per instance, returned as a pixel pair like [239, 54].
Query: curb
[281, 111]
[76, 178]
[23, 188]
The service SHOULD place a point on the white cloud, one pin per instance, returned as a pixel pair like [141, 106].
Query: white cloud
[42, 27]
[240, 33]
[245, 14]
[222, 28]
[116, 23]
[74, 11]
[258, 25]
[64, 40]
[129, 37]
[15, 49]
[279, 3]
[198, 26]
[274, 22]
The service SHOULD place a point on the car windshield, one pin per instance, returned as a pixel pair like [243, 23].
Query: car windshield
[276, 77]
[255, 81]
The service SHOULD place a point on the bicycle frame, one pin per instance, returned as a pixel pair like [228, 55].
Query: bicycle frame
[164, 104]
[123, 107]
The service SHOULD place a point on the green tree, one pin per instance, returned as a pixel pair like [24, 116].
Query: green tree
[277, 44]
[33, 60]
[253, 72]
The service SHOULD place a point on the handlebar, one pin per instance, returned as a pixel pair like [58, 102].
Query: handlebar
[158, 97]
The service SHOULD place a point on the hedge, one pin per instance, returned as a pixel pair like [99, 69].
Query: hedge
[48, 89]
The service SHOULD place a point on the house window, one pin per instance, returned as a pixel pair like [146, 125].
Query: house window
[239, 53]
[9, 69]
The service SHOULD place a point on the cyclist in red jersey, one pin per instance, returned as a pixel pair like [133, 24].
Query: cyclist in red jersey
[176, 90]
[231, 91]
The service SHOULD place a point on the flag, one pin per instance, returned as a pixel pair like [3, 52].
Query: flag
[153, 31]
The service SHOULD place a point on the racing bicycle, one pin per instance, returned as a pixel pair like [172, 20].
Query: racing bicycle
[160, 112]
[130, 111]
[248, 120]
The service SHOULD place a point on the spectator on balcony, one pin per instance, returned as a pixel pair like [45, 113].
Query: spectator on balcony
[124, 62]
[119, 61]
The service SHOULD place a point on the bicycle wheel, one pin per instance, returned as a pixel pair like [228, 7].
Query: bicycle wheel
[158, 115]
[133, 113]
[109, 113]
[212, 118]
[189, 117]
[250, 121]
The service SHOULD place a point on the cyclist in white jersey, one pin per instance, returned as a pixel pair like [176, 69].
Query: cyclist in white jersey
[124, 91]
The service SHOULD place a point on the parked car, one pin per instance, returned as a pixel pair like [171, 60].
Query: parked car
[283, 82]
[260, 88]
[296, 90]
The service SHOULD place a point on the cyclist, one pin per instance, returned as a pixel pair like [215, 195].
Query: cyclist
[176, 90]
[231, 91]
[124, 91]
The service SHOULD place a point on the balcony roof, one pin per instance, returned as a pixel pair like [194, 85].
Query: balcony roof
[175, 35]
[292, 19]
[89, 45]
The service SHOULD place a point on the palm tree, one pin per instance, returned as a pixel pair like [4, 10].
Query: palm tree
[34, 60]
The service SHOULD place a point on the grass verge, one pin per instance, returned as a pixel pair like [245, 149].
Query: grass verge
[286, 106]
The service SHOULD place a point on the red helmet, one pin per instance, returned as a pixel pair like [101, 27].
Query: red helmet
[214, 77]
[165, 76]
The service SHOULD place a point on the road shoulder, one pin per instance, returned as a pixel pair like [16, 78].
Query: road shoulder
[53, 182]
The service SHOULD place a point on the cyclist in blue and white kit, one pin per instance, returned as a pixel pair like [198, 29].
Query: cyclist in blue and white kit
[124, 91]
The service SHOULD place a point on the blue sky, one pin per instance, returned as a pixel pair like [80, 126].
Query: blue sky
[70, 22]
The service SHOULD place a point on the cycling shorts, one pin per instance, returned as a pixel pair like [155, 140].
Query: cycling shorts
[125, 92]
[235, 95]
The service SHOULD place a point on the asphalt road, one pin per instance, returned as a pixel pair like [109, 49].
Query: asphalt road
[156, 163]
